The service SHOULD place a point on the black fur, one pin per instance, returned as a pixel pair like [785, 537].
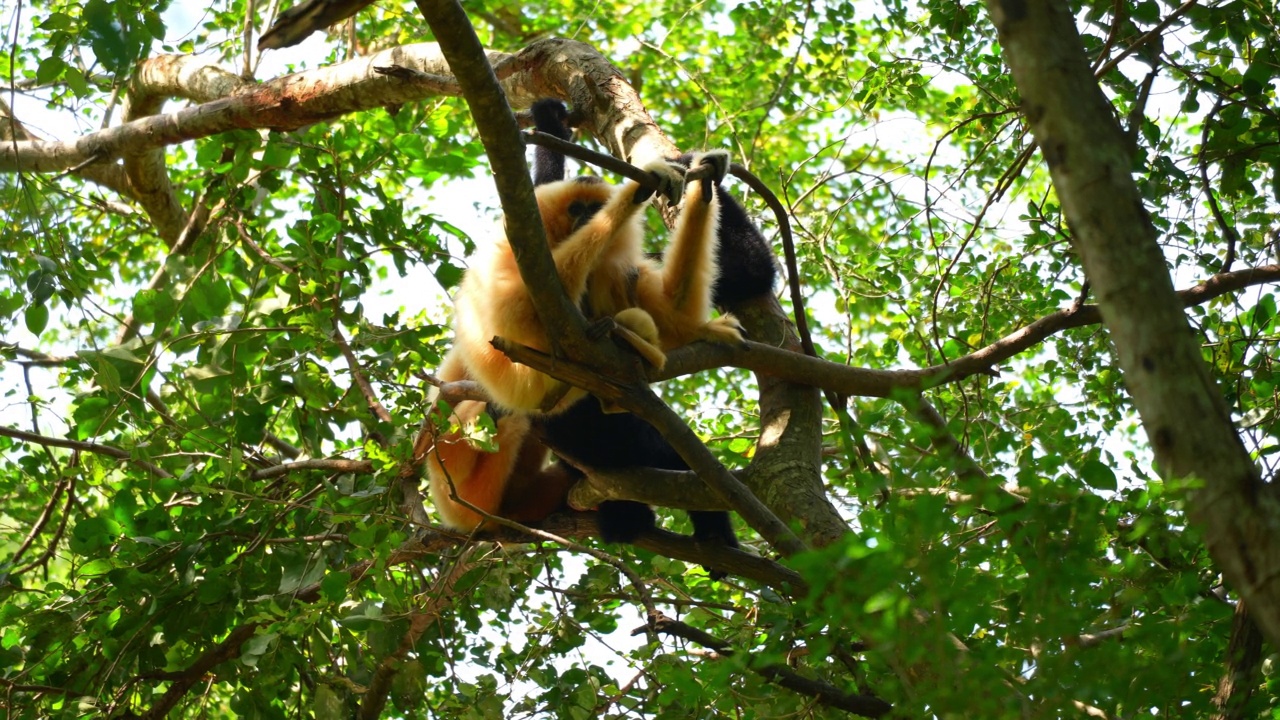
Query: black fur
[551, 117]
[619, 440]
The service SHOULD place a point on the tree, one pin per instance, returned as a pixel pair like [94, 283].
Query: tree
[1023, 477]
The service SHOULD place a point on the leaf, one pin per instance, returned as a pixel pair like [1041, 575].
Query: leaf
[334, 586]
[105, 34]
[1098, 476]
[49, 70]
[36, 318]
[301, 571]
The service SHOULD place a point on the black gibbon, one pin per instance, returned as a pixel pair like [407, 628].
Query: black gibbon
[594, 233]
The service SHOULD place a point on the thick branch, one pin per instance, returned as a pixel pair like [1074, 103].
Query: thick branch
[500, 135]
[435, 601]
[108, 175]
[1182, 409]
[1244, 665]
[155, 81]
[667, 488]
[285, 103]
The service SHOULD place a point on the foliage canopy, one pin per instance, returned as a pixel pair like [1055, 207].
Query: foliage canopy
[203, 512]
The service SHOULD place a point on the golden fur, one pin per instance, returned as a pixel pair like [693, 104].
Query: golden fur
[599, 257]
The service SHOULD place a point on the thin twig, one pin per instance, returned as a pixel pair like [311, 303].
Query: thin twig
[90, 447]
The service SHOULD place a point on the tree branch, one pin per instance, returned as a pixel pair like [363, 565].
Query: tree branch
[285, 103]
[503, 146]
[1243, 666]
[823, 692]
[184, 680]
[435, 600]
[1183, 412]
[865, 382]
[337, 465]
[641, 401]
[84, 447]
[156, 80]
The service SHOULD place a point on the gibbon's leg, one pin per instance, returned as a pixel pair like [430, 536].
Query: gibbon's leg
[533, 493]
[476, 477]
[455, 466]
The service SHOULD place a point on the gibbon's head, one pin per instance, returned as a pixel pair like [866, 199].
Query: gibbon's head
[568, 205]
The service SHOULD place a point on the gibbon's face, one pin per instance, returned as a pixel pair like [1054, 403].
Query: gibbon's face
[567, 206]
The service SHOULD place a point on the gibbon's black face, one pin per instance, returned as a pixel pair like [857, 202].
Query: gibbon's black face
[582, 211]
[567, 206]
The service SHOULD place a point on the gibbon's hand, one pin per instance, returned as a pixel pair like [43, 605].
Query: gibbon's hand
[717, 161]
[670, 179]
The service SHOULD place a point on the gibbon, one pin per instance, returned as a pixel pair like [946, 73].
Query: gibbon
[594, 234]
[585, 434]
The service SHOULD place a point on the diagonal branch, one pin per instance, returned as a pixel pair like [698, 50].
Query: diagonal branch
[641, 401]
[1183, 411]
[184, 680]
[500, 135]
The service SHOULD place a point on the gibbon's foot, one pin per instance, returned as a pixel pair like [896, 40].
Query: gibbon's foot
[600, 327]
[635, 327]
[718, 163]
[725, 329]
[623, 521]
[670, 179]
[640, 331]
[713, 526]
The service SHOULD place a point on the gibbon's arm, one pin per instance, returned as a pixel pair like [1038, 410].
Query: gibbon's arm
[747, 267]
[689, 263]
[678, 295]
[615, 223]
[494, 300]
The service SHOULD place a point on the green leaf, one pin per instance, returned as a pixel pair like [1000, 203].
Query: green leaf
[1098, 476]
[50, 69]
[301, 571]
[36, 318]
[107, 37]
[334, 586]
